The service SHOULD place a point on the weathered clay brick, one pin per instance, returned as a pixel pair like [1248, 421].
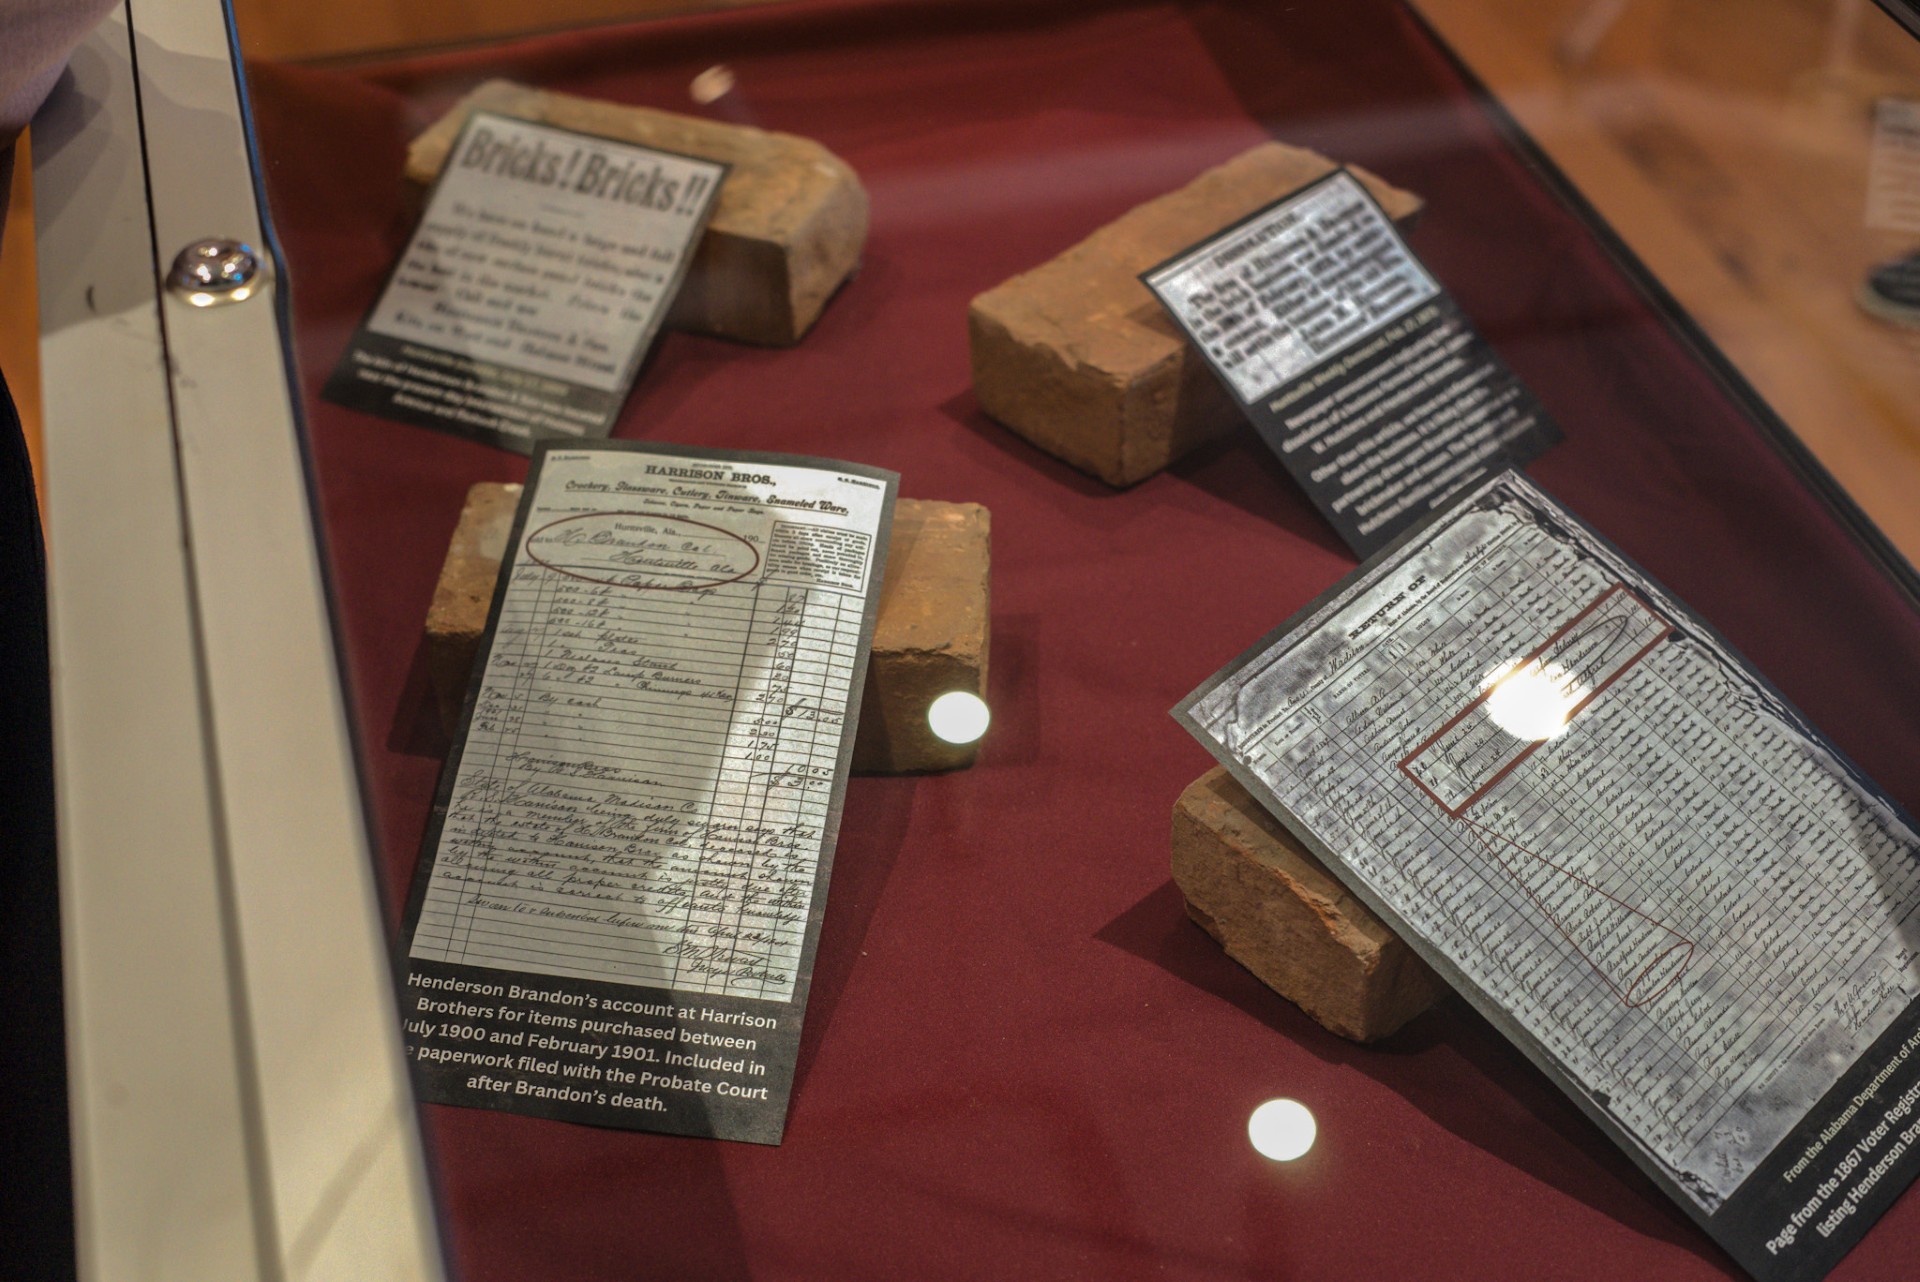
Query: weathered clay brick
[1279, 912]
[786, 230]
[458, 616]
[1080, 358]
[930, 635]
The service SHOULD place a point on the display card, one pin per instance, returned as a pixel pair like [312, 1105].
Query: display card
[1355, 366]
[616, 909]
[529, 294]
[1623, 846]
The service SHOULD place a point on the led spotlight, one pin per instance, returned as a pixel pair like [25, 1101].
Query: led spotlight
[1281, 1129]
[958, 717]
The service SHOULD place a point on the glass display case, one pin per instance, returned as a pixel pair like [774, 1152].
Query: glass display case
[1022, 1056]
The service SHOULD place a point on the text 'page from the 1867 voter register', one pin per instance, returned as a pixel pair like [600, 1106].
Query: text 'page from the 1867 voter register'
[1623, 846]
[623, 886]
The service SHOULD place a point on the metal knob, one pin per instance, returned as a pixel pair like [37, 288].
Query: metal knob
[213, 271]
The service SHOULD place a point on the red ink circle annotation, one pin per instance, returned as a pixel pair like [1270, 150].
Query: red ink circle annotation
[590, 537]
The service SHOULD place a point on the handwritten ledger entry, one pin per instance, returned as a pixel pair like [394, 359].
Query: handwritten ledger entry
[649, 782]
[1608, 831]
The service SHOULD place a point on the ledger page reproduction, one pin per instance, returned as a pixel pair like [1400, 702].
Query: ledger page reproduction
[1622, 845]
[621, 891]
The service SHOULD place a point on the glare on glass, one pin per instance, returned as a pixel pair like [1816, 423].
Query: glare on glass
[958, 717]
[1535, 701]
[711, 85]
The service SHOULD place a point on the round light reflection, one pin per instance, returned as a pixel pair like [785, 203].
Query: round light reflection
[1282, 1129]
[711, 85]
[201, 298]
[1535, 701]
[958, 717]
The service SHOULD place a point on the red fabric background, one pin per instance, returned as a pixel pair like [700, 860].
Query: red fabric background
[1021, 1060]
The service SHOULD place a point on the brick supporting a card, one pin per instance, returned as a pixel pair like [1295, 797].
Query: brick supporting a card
[527, 298]
[1351, 360]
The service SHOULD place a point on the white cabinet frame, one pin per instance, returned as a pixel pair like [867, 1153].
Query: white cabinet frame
[239, 1099]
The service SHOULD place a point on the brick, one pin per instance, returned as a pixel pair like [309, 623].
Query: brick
[1080, 358]
[1278, 911]
[930, 634]
[458, 616]
[786, 230]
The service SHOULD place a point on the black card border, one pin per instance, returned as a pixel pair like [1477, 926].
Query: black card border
[1749, 1253]
[830, 829]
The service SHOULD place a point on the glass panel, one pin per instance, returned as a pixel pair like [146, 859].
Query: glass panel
[1021, 1056]
[1761, 162]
